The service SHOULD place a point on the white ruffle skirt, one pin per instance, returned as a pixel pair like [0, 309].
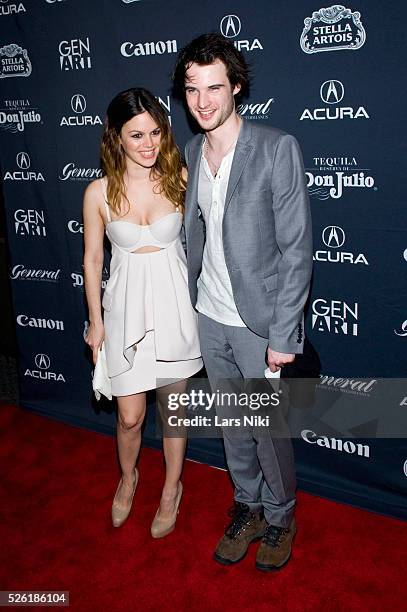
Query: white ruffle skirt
[151, 334]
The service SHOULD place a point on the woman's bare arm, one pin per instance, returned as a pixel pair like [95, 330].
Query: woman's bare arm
[93, 229]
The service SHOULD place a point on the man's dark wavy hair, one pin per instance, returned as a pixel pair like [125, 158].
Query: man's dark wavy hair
[205, 50]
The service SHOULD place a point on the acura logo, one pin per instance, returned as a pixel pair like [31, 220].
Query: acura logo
[78, 103]
[333, 236]
[23, 161]
[230, 26]
[42, 361]
[332, 92]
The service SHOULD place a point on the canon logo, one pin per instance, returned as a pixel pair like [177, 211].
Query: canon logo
[75, 227]
[129, 49]
[343, 446]
[26, 321]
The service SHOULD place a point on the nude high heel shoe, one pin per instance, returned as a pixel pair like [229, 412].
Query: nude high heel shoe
[119, 515]
[161, 527]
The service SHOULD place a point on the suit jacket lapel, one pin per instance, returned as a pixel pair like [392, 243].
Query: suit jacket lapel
[194, 159]
[242, 151]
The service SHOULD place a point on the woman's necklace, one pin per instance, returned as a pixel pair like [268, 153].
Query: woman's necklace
[214, 168]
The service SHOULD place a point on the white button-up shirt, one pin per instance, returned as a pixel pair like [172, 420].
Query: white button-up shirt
[215, 297]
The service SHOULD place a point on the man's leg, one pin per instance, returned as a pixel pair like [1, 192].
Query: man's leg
[247, 523]
[240, 447]
[274, 453]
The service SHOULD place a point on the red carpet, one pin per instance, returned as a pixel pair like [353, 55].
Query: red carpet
[57, 485]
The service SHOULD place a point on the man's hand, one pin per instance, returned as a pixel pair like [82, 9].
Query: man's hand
[276, 360]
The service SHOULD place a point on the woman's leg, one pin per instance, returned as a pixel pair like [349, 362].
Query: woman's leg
[174, 443]
[130, 417]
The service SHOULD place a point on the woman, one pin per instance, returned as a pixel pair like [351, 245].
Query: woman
[149, 326]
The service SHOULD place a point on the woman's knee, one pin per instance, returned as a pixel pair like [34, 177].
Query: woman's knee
[130, 423]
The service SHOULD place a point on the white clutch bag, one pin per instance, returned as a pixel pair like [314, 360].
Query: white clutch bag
[101, 382]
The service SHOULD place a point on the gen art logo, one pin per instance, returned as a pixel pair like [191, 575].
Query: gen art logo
[335, 316]
[230, 27]
[75, 54]
[29, 222]
[332, 29]
[332, 93]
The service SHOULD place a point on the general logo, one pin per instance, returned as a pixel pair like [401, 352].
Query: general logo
[23, 161]
[332, 29]
[332, 92]
[14, 62]
[255, 110]
[333, 236]
[230, 26]
[78, 103]
[42, 361]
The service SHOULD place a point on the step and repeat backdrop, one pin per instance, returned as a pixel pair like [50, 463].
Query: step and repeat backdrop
[334, 76]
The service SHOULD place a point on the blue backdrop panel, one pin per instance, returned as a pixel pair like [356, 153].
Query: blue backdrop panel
[334, 76]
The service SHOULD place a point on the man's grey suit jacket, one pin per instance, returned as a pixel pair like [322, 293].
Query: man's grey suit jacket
[267, 236]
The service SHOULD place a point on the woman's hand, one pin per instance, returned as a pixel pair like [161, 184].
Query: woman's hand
[94, 338]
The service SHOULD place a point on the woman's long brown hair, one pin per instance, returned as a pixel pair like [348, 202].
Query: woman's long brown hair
[167, 169]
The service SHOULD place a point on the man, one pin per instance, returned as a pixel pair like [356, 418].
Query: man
[249, 247]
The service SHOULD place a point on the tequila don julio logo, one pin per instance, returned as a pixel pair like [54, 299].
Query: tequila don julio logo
[332, 29]
[16, 113]
[332, 175]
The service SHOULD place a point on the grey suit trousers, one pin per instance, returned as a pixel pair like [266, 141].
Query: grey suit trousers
[261, 466]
